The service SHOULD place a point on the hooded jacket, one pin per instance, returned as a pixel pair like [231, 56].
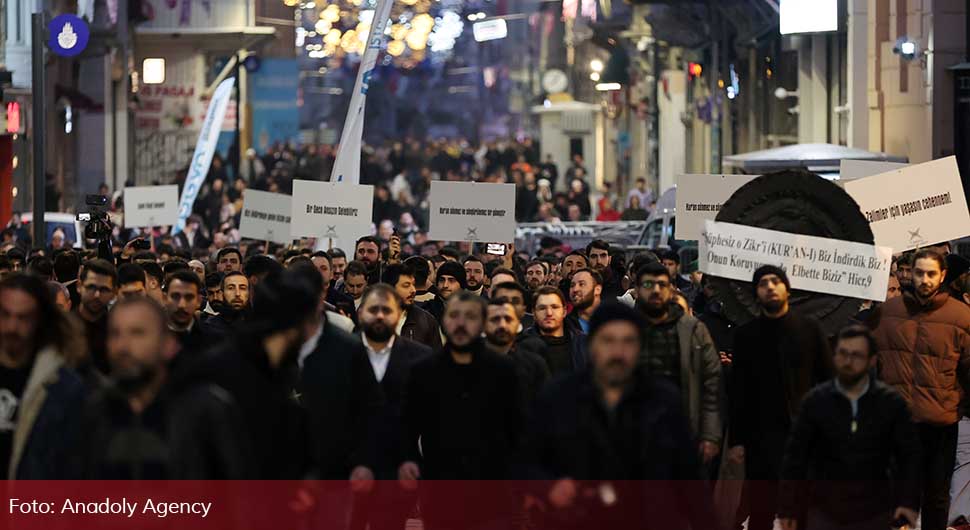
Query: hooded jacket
[924, 352]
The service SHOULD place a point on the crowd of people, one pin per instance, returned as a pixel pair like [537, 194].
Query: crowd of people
[396, 364]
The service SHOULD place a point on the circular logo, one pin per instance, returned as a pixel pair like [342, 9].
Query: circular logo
[68, 35]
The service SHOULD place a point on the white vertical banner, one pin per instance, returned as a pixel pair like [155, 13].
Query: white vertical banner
[204, 149]
[346, 167]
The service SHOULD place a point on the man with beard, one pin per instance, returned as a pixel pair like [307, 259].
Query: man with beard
[923, 342]
[573, 261]
[535, 274]
[183, 295]
[235, 293]
[585, 292]
[614, 440]
[98, 286]
[415, 324]
[778, 358]
[904, 271]
[368, 252]
[501, 331]
[598, 253]
[474, 275]
[214, 302]
[150, 425]
[680, 350]
[565, 349]
[391, 357]
[852, 459]
[463, 406]
[450, 279]
[41, 391]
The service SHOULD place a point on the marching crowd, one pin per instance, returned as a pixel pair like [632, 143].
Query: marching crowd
[396, 367]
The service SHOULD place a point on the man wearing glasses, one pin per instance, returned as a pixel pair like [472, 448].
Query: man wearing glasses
[97, 285]
[778, 358]
[679, 349]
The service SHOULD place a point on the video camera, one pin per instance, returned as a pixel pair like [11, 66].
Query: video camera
[98, 225]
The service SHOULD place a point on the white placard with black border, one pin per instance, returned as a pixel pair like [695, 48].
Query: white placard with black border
[335, 210]
[472, 211]
[150, 206]
[266, 216]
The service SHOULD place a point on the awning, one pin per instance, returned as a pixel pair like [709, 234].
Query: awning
[817, 158]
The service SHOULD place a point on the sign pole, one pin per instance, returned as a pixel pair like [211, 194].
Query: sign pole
[39, 124]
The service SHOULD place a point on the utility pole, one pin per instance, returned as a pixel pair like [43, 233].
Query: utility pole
[39, 125]
[716, 31]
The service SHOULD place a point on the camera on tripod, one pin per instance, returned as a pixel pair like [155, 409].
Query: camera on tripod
[98, 226]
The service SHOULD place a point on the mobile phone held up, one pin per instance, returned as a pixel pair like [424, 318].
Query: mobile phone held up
[496, 249]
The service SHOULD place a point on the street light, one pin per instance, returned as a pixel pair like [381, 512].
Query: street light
[906, 48]
[606, 87]
[596, 65]
[595, 76]
[783, 93]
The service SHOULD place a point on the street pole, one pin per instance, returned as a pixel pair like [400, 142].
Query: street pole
[39, 124]
[237, 161]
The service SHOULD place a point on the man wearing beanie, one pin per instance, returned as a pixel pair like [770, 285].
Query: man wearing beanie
[450, 279]
[592, 425]
[778, 358]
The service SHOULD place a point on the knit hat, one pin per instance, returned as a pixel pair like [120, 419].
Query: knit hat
[765, 270]
[453, 268]
[613, 312]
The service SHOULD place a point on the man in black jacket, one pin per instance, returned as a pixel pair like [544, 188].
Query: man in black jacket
[848, 434]
[463, 405]
[391, 357]
[501, 331]
[449, 279]
[416, 324]
[565, 348]
[778, 358]
[615, 440]
[149, 424]
[183, 295]
[600, 260]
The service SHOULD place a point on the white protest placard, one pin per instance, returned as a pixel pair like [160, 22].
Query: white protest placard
[266, 216]
[699, 198]
[914, 206]
[331, 210]
[148, 206]
[857, 169]
[472, 211]
[831, 266]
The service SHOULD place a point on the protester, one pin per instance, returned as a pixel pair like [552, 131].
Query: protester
[367, 251]
[229, 260]
[339, 261]
[601, 261]
[149, 424]
[183, 295]
[415, 323]
[565, 349]
[98, 286]
[355, 281]
[131, 281]
[449, 279]
[391, 358]
[679, 349]
[586, 294]
[42, 393]
[502, 328]
[236, 295]
[464, 406]
[474, 275]
[923, 340]
[535, 274]
[514, 294]
[589, 431]
[853, 456]
[778, 358]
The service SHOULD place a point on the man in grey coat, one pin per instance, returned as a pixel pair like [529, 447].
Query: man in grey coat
[680, 349]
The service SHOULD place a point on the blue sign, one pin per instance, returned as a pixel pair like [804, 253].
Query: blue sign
[68, 35]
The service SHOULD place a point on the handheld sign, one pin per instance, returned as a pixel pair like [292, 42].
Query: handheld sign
[699, 198]
[914, 206]
[472, 211]
[266, 216]
[818, 264]
[69, 35]
[331, 210]
[148, 206]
